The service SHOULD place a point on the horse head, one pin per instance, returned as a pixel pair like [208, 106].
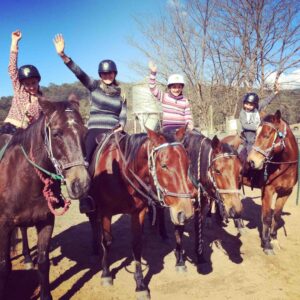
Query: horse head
[64, 133]
[269, 140]
[225, 173]
[169, 163]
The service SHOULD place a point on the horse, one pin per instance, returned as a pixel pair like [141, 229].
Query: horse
[134, 172]
[215, 171]
[274, 158]
[50, 149]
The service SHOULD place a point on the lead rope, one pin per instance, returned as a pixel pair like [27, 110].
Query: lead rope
[198, 208]
[48, 192]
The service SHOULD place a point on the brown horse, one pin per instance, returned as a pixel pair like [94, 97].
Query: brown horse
[275, 154]
[215, 171]
[50, 149]
[132, 173]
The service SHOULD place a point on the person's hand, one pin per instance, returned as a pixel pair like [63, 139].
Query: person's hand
[59, 44]
[16, 36]
[152, 67]
[119, 128]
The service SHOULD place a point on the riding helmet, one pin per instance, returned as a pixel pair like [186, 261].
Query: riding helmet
[251, 98]
[107, 66]
[28, 71]
[175, 78]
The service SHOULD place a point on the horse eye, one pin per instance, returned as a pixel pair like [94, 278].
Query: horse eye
[164, 166]
[57, 133]
[217, 171]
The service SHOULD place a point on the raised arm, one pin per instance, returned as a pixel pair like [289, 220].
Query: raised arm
[269, 99]
[13, 65]
[59, 44]
[152, 82]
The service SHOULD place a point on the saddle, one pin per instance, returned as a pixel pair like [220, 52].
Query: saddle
[102, 140]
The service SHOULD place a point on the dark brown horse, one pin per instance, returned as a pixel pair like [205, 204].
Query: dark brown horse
[50, 149]
[215, 170]
[275, 154]
[132, 173]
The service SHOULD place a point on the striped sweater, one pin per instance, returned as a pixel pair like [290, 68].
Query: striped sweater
[108, 108]
[24, 108]
[176, 110]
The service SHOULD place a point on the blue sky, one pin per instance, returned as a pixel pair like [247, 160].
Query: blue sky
[93, 30]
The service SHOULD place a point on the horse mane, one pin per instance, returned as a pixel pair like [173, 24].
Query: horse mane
[130, 145]
[270, 119]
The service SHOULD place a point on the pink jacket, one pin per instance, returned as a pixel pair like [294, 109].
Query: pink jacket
[176, 110]
[24, 108]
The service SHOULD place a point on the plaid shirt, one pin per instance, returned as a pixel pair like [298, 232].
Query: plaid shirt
[24, 108]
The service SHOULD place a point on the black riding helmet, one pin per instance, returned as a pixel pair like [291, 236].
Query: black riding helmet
[28, 71]
[106, 66]
[251, 98]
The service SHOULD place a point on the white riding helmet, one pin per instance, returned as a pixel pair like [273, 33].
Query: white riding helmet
[175, 78]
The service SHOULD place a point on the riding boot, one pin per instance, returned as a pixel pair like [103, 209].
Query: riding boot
[86, 205]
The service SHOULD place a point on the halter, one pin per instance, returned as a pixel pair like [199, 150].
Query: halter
[267, 152]
[58, 165]
[161, 191]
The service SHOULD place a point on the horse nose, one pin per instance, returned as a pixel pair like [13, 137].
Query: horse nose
[181, 218]
[76, 187]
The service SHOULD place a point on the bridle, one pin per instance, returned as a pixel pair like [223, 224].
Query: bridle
[212, 178]
[278, 134]
[58, 165]
[160, 190]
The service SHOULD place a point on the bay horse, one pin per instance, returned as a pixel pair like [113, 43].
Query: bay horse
[275, 156]
[49, 149]
[275, 153]
[132, 173]
[215, 171]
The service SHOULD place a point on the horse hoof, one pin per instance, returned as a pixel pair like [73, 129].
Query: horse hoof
[181, 269]
[204, 268]
[142, 295]
[106, 281]
[275, 244]
[29, 266]
[269, 252]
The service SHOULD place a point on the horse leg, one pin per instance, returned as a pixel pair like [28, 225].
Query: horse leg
[43, 244]
[162, 223]
[5, 263]
[96, 231]
[179, 252]
[106, 240]
[277, 220]
[26, 251]
[267, 194]
[137, 221]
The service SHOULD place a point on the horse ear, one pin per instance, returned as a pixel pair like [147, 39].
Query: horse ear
[215, 143]
[278, 115]
[47, 107]
[155, 137]
[180, 133]
[73, 99]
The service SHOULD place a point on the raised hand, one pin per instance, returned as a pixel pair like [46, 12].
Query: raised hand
[59, 44]
[16, 36]
[152, 67]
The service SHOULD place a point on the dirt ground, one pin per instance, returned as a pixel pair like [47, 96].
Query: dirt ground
[240, 269]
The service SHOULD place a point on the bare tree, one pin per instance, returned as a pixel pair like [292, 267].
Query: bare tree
[224, 48]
